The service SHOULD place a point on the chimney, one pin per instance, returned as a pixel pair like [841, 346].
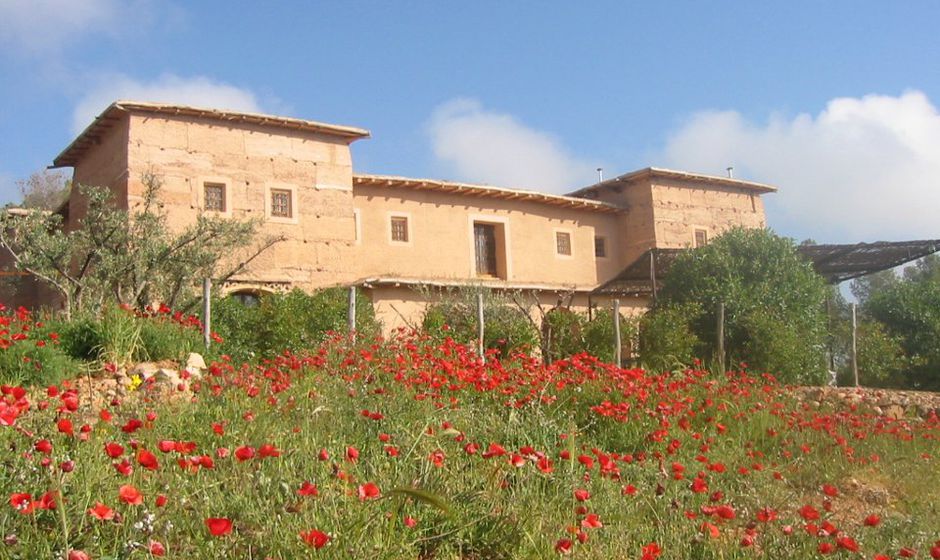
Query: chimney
[600, 174]
[730, 172]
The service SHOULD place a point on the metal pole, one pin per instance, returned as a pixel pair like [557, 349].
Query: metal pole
[653, 273]
[480, 324]
[207, 311]
[617, 344]
[721, 337]
[351, 313]
[854, 345]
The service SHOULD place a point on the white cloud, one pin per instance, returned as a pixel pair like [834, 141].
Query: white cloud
[198, 91]
[862, 169]
[40, 26]
[488, 147]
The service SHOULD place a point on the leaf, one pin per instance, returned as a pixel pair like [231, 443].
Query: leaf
[422, 496]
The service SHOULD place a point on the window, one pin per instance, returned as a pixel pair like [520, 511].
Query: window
[701, 238]
[563, 243]
[600, 247]
[484, 243]
[400, 229]
[214, 196]
[281, 203]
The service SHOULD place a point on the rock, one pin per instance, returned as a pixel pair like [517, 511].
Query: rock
[168, 376]
[145, 370]
[894, 411]
[195, 361]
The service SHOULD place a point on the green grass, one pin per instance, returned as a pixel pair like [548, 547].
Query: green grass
[440, 398]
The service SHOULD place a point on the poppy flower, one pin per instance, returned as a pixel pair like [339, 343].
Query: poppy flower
[516, 460]
[113, 450]
[582, 495]
[591, 521]
[545, 464]
[352, 454]
[830, 490]
[495, 450]
[219, 526]
[308, 489]
[436, 458]
[935, 551]
[147, 460]
[710, 529]
[101, 512]
[563, 546]
[410, 522]
[872, 520]
[369, 491]
[314, 538]
[157, 548]
[651, 551]
[244, 453]
[78, 555]
[323, 455]
[43, 446]
[160, 501]
[65, 427]
[166, 445]
[130, 495]
[268, 450]
[809, 513]
[124, 467]
[848, 543]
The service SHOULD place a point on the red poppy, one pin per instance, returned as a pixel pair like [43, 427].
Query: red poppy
[65, 427]
[710, 530]
[130, 495]
[651, 551]
[809, 513]
[545, 464]
[147, 460]
[563, 546]
[124, 467]
[436, 458]
[582, 495]
[78, 555]
[219, 526]
[314, 538]
[43, 446]
[157, 548]
[352, 454]
[830, 490]
[166, 445]
[410, 522]
[369, 491]
[308, 489]
[101, 512]
[872, 520]
[268, 450]
[113, 450]
[244, 453]
[591, 521]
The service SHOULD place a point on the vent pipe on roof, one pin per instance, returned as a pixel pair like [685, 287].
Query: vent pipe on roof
[730, 172]
[600, 174]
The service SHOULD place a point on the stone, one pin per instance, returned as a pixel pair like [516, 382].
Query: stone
[195, 361]
[168, 376]
[894, 411]
[144, 370]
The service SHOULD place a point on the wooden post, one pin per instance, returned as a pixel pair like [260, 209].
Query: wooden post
[721, 337]
[480, 325]
[854, 345]
[207, 311]
[653, 273]
[617, 344]
[351, 313]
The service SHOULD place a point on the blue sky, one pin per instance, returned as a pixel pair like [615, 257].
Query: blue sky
[833, 102]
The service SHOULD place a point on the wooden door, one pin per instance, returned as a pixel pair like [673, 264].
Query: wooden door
[484, 241]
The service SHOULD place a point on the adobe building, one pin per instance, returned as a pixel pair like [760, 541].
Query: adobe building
[388, 234]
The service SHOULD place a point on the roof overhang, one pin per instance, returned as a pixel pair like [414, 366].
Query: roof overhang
[485, 191]
[393, 282]
[834, 262]
[654, 172]
[117, 110]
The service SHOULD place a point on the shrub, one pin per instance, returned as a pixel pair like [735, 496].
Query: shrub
[562, 334]
[294, 321]
[31, 352]
[757, 276]
[666, 336]
[508, 328]
[599, 336]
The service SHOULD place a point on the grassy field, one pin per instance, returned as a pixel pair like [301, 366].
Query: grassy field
[414, 449]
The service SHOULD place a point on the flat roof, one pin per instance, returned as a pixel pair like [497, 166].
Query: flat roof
[648, 172]
[114, 112]
[484, 191]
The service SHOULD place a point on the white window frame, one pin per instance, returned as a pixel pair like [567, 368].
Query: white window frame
[708, 235]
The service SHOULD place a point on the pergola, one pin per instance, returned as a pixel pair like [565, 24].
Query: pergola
[834, 262]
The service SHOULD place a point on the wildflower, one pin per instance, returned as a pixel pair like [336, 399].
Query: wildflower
[101, 512]
[582, 495]
[147, 460]
[352, 454]
[314, 538]
[130, 495]
[872, 521]
[563, 546]
[369, 491]
[244, 453]
[113, 450]
[219, 526]
[308, 489]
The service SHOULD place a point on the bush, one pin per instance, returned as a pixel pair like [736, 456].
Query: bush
[507, 327]
[31, 352]
[666, 336]
[294, 321]
[758, 277]
[562, 334]
[881, 359]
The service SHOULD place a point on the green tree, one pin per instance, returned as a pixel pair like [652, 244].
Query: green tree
[773, 303]
[127, 257]
[44, 190]
[910, 311]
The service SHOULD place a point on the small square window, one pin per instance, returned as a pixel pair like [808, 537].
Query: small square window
[600, 247]
[563, 243]
[281, 203]
[215, 197]
[701, 238]
[400, 229]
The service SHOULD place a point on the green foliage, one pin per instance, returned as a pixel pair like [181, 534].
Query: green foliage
[126, 257]
[773, 300]
[910, 312]
[666, 336]
[508, 326]
[598, 335]
[562, 334]
[27, 364]
[294, 321]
